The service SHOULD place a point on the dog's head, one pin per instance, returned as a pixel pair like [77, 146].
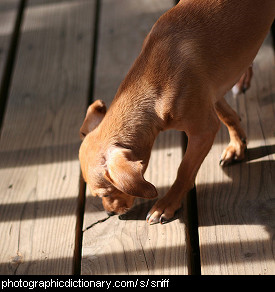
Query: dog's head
[112, 172]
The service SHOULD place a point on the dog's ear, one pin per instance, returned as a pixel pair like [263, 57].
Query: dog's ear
[125, 173]
[95, 114]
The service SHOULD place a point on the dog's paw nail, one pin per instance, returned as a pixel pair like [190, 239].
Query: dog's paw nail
[243, 140]
[224, 162]
[163, 220]
[244, 89]
[153, 220]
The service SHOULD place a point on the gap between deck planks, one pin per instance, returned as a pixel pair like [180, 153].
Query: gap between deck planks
[39, 165]
[11, 12]
[236, 204]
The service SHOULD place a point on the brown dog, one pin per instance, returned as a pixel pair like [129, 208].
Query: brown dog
[193, 55]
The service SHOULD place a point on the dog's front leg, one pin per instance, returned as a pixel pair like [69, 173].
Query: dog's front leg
[198, 147]
[235, 151]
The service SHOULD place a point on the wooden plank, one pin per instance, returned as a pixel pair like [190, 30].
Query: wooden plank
[127, 244]
[39, 165]
[236, 204]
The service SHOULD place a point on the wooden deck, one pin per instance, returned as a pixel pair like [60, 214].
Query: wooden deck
[57, 56]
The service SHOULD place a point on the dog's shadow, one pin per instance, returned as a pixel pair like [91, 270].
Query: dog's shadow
[259, 152]
[140, 210]
[142, 206]
[254, 181]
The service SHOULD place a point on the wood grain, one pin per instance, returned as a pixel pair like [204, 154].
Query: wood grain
[236, 204]
[127, 244]
[39, 166]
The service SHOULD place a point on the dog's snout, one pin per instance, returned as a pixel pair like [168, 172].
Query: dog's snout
[117, 203]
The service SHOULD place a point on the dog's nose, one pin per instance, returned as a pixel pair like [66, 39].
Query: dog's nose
[112, 213]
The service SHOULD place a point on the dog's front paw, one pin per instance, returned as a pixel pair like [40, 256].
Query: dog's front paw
[163, 211]
[235, 151]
